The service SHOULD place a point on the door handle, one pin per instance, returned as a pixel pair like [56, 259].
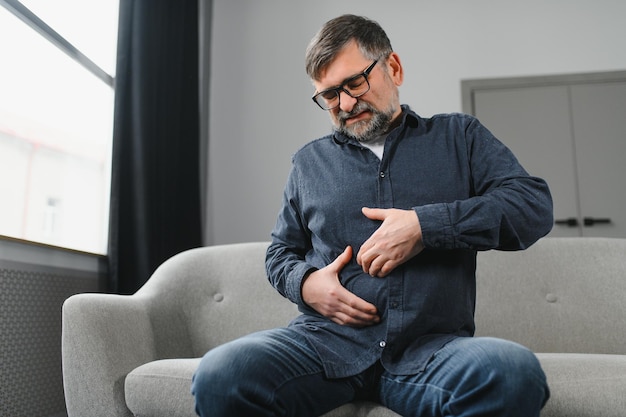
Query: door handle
[570, 222]
[590, 221]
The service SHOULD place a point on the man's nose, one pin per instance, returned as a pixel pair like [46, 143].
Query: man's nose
[346, 101]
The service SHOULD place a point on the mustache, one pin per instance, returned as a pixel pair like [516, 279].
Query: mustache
[359, 107]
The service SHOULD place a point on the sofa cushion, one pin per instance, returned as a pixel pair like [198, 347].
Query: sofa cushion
[162, 388]
[582, 385]
[585, 385]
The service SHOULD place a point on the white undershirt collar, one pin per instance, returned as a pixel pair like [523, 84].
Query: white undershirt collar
[376, 145]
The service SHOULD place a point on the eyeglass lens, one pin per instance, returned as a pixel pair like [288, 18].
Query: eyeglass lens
[354, 87]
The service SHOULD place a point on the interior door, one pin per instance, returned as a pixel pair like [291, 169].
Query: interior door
[599, 125]
[535, 124]
[571, 131]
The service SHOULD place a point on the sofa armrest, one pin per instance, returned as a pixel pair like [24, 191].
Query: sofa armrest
[104, 337]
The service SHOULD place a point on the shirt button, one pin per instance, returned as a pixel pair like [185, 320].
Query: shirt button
[382, 174]
[394, 305]
[382, 344]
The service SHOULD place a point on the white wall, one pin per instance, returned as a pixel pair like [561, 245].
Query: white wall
[260, 108]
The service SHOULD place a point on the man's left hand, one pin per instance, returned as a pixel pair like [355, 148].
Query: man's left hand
[398, 239]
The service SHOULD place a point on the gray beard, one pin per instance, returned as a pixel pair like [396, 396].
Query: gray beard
[379, 124]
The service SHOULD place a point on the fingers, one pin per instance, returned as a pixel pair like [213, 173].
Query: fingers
[398, 238]
[342, 260]
[322, 291]
[374, 214]
[354, 311]
[351, 310]
[377, 262]
[354, 320]
[379, 268]
[345, 308]
[369, 256]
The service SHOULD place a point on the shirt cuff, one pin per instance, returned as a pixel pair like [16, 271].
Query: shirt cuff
[437, 231]
[294, 283]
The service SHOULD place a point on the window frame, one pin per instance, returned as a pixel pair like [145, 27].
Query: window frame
[47, 32]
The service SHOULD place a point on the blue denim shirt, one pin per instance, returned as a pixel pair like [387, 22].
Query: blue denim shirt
[470, 194]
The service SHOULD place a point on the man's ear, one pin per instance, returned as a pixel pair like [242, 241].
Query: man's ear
[394, 68]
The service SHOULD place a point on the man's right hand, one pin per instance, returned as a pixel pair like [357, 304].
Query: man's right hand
[323, 292]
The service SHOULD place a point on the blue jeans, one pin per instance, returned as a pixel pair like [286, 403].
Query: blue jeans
[277, 373]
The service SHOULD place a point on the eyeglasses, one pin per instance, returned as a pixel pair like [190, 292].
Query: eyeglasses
[354, 86]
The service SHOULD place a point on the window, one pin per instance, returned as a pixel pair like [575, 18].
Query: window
[56, 121]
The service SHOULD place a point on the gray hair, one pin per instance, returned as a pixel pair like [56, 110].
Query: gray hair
[337, 33]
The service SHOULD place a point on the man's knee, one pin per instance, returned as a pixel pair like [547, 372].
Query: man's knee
[215, 372]
[512, 367]
[229, 378]
[506, 356]
[245, 376]
[496, 377]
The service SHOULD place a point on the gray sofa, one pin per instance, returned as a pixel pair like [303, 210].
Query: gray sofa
[565, 298]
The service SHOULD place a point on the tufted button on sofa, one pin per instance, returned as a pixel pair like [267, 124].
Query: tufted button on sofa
[565, 298]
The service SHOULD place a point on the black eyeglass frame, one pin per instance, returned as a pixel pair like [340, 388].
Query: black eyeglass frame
[339, 89]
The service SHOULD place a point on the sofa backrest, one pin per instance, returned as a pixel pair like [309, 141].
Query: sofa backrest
[560, 295]
[207, 296]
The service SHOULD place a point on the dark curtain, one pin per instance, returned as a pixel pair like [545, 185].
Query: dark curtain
[155, 197]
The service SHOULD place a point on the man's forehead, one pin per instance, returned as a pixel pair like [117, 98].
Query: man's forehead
[346, 64]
